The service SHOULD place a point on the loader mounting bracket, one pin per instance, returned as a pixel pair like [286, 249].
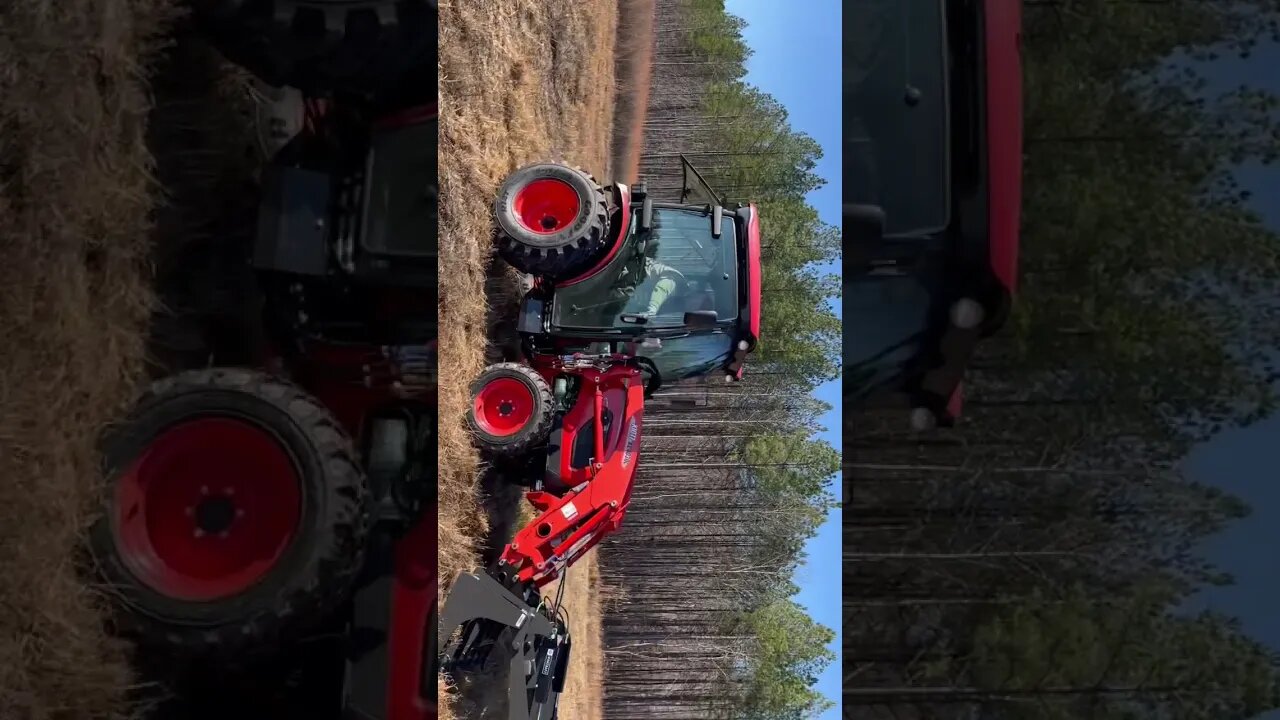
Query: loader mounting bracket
[540, 646]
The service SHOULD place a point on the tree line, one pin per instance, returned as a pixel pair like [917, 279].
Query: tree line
[732, 483]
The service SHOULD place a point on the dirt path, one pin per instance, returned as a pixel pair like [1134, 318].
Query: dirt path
[521, 81]
[635, 72]
[583, 697]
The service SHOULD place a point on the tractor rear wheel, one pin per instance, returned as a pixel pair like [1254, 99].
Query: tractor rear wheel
[235, 515]
[356, 46]
[553, 220]
[512, 409]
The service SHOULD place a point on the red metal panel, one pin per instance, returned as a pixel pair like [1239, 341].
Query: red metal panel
[1004, 135]
[412, 601]
[753, 273]
[570, 525]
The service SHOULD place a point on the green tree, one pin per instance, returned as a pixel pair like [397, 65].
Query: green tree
[1071, 656]
[790, 651]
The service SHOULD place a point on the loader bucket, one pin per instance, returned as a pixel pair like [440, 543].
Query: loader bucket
[479, 610]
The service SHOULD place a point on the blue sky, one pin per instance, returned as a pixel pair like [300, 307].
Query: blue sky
[1244, 462]
[797, 61]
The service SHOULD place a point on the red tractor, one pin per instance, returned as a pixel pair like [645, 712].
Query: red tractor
[257, 511]
[932, 194]
[627, 294]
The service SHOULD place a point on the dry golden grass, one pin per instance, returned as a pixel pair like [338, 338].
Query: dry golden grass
[583, 698]
[75, 197]
[520, 81]
[635, 71]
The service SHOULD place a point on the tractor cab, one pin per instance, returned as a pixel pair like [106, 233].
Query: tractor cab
[679, 287]
[932, 187]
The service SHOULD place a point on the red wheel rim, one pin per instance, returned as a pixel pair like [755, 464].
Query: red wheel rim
[503, 406]
[207, 509]
[547, 206]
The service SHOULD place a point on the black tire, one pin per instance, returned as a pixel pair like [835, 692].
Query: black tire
[562, 254]
[534, 431]
[367, 47]
[314, 572]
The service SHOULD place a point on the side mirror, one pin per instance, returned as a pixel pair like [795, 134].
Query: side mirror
[646, 214]
[717, 221]
[701, 319]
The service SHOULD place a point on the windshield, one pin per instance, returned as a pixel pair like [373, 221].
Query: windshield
[659, 275]
[896, 131]
[690, 356]
[885, 319]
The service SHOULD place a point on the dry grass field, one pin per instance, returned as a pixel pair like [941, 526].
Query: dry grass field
[76, 195]
[520, 81]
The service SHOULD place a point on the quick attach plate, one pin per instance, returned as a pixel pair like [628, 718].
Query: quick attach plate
[540, 647]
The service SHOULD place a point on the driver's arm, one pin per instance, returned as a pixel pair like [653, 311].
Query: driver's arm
[663, 288]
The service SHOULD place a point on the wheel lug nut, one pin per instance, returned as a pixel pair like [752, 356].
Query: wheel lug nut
[189, 511]
[204, 489]
[229, 491]
[239, 513]
[199, 533]
[222, 535]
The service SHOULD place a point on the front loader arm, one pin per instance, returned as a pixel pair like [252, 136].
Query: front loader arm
[568, 527]
[481, 606]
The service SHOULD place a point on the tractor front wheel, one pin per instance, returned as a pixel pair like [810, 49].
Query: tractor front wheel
[235, 515]
[512, 409]
[553, 221]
